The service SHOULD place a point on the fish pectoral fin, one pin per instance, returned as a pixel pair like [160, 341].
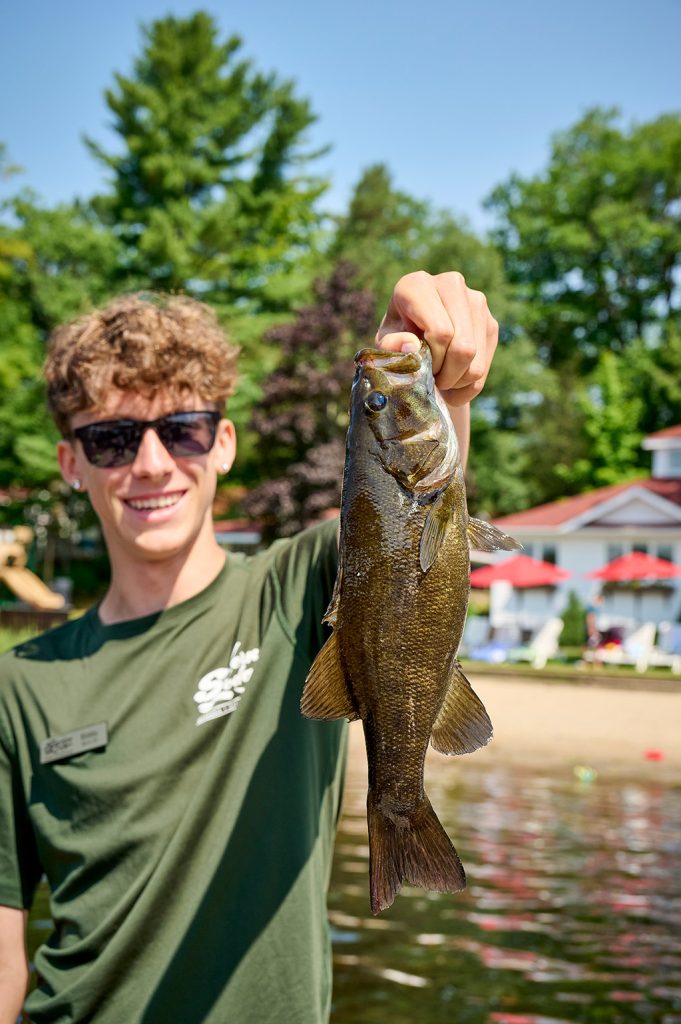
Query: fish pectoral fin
[326, 693]
[486, 537]
[434, 530]
[462, 724]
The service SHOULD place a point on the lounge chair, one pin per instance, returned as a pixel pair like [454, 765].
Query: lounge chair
[667, 652]
[541, 646]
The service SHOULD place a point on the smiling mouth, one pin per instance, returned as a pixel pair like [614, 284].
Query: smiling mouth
[159, 501]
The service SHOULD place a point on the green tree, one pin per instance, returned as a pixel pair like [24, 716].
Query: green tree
[612, 409]
[53, 264]
[210, 193]
[516, 433]
[386, 232]
[655, 371]
[592, 244]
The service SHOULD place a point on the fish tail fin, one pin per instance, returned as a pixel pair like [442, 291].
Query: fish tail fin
[416, 850]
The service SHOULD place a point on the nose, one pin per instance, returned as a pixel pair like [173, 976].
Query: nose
[153, 459]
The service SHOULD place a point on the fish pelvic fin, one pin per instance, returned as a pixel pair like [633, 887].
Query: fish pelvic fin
[486, 537]
[326, 694]
[414, 849]
[462, 724]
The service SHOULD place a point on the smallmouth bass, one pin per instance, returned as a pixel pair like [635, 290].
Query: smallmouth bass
[398, 613]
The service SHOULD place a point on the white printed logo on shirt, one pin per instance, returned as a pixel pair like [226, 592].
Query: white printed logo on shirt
[221, 690]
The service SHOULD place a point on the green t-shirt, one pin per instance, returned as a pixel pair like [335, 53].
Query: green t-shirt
[188, 859]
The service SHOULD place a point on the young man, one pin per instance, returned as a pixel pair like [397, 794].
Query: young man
[154, 764]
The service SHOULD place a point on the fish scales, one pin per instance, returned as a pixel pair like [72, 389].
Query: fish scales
[398, 613]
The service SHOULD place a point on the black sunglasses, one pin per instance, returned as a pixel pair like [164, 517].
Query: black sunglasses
[112, 443]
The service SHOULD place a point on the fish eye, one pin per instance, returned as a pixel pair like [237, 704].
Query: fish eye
[376, 401]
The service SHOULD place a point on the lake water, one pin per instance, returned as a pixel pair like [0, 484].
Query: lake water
[572, 911]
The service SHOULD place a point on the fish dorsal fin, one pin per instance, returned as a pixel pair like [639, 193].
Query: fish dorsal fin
[326, 694]
[434, 530]
[485, 537]
[462, 724]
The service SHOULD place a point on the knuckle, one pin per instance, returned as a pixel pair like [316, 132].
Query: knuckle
[413, 279]
[455, 277]
[478, 298]
[466, 349]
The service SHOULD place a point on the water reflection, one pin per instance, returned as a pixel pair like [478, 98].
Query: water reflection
[571, 913]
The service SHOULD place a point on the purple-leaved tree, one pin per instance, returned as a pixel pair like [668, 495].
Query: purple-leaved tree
[302, 418]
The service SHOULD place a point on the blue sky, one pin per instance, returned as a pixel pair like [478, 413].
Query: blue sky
[452, 96]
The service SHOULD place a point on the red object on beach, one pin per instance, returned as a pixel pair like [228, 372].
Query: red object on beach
[653, 755]
[520, 571]
[636, 566]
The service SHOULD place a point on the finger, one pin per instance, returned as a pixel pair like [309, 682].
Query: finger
[416, 307]
[399, 341]
[486, 335]
[458, 351]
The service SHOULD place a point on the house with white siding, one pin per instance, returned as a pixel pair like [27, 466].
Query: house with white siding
[584, 532]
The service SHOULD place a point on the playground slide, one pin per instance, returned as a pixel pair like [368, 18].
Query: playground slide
[29, 588]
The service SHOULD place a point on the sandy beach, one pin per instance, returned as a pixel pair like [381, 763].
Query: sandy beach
[622, 732]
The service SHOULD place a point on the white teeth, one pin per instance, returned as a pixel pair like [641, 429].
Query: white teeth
[144, 504]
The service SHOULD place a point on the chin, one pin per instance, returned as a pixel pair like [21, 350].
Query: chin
[161, 544]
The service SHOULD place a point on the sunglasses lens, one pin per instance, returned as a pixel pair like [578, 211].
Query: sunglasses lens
[188, 433]
[110, 444]
[115, 443]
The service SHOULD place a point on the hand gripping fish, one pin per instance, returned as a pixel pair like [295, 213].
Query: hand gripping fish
[398, 613]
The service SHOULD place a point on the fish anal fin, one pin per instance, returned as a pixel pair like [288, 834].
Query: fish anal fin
[434, 530]
[326, 694]
[414, 849]
[485, 537]
[331, 613]
[462, 724]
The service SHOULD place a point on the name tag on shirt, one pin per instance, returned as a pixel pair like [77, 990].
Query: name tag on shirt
[89, 737]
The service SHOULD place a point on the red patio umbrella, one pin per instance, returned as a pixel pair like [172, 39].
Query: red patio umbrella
[520, 571]
[635, 566]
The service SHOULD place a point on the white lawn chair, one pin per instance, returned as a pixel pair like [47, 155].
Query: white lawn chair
[634, 650]
[541, 646]
[667, 652]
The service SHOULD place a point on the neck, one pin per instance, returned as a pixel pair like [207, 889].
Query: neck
[145, 587]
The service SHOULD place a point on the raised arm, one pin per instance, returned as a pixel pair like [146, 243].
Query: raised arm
[462, 335]
[13, 963]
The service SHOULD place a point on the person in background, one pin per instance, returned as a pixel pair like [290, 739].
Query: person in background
[154, 764]
[594, 638]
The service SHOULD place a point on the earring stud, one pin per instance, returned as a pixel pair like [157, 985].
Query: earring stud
[224, 468]
[76, 485]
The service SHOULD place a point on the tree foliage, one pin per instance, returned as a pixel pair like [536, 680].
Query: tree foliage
[209, 191]
[592, 244]
[386, 232]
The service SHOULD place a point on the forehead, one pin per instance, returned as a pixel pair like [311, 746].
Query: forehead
[136, 406]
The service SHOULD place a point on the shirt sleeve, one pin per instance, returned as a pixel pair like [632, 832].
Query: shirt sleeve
[306, 571]
[20, 869]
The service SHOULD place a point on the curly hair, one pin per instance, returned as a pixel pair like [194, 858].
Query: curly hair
[143, 342]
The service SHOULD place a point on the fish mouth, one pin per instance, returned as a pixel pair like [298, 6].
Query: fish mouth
[395, 362]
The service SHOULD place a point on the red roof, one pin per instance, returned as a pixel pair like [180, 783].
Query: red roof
[236, 526]
[667, 432]
[555, 513]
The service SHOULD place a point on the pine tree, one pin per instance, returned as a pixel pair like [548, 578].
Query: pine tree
[209, 190]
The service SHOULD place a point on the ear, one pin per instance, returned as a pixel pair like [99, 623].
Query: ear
[225, 445]
[69, 463]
